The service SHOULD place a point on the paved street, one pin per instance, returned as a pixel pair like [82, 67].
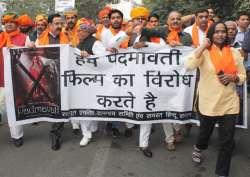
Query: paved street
[107, 157]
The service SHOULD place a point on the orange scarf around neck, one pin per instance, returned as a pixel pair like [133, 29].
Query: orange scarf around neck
[99, 30]
[224, 61]
[5, 38]
[44, 38]
[173, 35]
[195, 34]
[72, 36]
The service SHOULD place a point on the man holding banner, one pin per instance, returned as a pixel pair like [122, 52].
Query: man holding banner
[139, 16]
[176, 37]
[115, 37]
[88, 45]
[10, 38]
[54, 35]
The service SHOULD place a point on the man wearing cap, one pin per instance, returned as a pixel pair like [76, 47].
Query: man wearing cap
[139, 17]
[54, 35]
[104, 22]
[88, 45]
[11, 37]
[41, 24]
[26, 24]
[70, 29]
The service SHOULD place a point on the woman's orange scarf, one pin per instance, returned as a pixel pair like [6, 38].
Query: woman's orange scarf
[44, 38]
[124, 43]
[173, 35]
[195, 34]
[5, 38]
[223, 62]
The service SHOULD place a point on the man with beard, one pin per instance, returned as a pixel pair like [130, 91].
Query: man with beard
[54, 35]
[199, 29]
[175, 37]
[70, 29]
[104, 22]
[115, 37]
[40, 25]
[211, 14]
[11, 37]
[26, 24]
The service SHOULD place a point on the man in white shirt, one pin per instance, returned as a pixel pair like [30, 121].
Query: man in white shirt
[242, 22]
[115, 37]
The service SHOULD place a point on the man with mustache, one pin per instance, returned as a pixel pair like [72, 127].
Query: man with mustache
[104, 22]
[115, 37]
[11, 37]
[199, 29]
[109, 37]
[211, 14]
[26, 24]
[54, 35]
[173, 34]
[70, 29]
[175, 37]
[40, 25]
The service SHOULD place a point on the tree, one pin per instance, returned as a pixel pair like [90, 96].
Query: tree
[223, 8]
[32, 8]
[86, 8]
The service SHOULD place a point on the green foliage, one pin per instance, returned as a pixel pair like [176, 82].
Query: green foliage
[86, 8]
[32, 7]
[90, 8]
[242, 6]
[226, 9]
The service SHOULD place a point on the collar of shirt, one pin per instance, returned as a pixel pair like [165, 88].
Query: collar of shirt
[52, 35]
[236, 44]
[239, 31]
